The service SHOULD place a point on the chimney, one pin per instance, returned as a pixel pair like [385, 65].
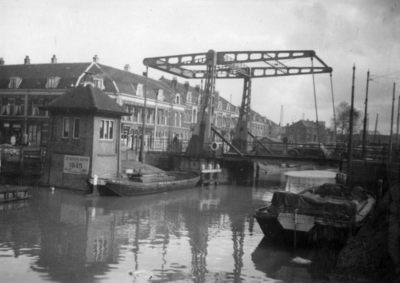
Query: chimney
[127, 68]
[96, 59]
[54, 59]
[186, 86]
[174, 82]
[1, 61]
[197, 88]
[27, 61]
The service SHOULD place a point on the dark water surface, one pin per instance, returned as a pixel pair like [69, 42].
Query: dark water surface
[193, 235]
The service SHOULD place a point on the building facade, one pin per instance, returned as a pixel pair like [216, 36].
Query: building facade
[305, 131]
[172, 107]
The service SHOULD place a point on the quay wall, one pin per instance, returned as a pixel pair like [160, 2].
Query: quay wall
[374, 253]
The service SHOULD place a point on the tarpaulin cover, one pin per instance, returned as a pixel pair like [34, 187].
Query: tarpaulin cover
[312, 203]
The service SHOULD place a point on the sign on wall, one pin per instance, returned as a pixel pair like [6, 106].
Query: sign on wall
[74, 164]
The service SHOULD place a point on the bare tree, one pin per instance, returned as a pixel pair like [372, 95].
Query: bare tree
[343, 119]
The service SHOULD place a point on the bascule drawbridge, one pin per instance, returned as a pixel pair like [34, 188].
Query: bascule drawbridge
[245, 65]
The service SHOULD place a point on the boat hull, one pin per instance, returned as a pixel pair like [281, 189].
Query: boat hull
[126, 187]
[308, 232]
[310, 218]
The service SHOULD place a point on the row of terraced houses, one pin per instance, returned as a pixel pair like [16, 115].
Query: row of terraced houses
[171, 105]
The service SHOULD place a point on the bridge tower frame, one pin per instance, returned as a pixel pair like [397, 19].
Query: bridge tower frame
[231, 65]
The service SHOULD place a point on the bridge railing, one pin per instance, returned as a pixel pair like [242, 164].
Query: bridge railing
[339, 150]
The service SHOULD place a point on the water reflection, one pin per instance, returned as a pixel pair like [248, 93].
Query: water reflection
[283, 262]
[194, 235]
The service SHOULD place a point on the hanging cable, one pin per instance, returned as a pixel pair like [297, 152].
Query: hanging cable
[315, 101]
[334, 111]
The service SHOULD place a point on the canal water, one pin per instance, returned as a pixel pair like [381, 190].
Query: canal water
[193, 235]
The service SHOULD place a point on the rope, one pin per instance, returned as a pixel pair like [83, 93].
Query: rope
[315, 101]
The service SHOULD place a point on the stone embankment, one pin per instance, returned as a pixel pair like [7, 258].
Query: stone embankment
[373, 254]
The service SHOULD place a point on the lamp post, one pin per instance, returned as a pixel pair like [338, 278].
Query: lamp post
[141, 154]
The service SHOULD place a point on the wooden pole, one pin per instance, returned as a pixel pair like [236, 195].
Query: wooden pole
[391, 124]
[334, 111]
[350, 145]
[365, 119]
[397, 125]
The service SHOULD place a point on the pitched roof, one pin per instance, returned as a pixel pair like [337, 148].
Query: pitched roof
[127, 82]
[304, 124]
[34, 76]
[86, 98]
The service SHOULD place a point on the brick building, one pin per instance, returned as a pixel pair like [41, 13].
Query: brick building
[304, 131]
[172, 107]
[83, 137]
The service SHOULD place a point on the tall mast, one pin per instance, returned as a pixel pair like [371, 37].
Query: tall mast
[365, 118]
[391, 124]
[350, 146]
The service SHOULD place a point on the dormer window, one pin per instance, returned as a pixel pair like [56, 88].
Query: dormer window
[177, 98]
[14, 82]
[160, 96]
[139, 91]
[52, 82]
[228, 107]
[98, 83]
[189, 97]
[219, 104]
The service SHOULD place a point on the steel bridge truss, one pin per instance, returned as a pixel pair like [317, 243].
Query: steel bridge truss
[232, 65]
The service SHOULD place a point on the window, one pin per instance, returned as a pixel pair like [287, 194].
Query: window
[219, 104]
[139, 114]
[160, 116]
[19, 107]
[98, 83]
[149, 115]
[14, 82]
[177, 99]
[194, 117]
[139, 91]
[166, 117]
[106, 129]
[7, 107]
[189, 97]
[35, 107]
[228, 107]
[176, 122]
[77, 123]
[52, 82]
[65, 130]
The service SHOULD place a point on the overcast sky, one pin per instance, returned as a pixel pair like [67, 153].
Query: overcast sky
[364, 33]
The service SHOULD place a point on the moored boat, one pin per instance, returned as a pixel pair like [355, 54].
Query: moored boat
[140, 184]
[330, 212]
